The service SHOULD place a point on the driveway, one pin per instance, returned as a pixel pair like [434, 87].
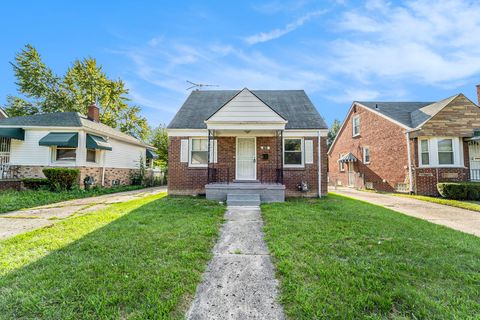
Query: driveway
[16, 222]
[456, 218]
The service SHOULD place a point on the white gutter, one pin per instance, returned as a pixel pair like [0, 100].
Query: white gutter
[103, 168]
[319, 165]
[410, 174]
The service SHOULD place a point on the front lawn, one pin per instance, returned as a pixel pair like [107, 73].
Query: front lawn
[339, 258]
[469, 205]
[134, 260]
[11, 200]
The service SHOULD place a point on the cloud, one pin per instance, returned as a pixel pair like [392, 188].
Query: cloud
[277, 33]
[426, 42]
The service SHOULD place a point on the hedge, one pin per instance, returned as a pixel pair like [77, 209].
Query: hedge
[61, 178]
[459, 190]
[35, 183]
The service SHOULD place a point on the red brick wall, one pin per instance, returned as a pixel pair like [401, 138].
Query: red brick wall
[388, 152]
[187, 180]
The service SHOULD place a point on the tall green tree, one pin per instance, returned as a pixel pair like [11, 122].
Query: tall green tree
[333, 131]
[43, 91]
[159, 139]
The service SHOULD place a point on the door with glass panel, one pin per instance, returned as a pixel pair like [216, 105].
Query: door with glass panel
[246, 159]
[4, 156]
[474, 152]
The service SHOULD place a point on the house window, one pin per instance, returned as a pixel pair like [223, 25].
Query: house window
[445, 151]
[425, 154]
[366, 155]
[91, 155]
[65, 154]
[199, 152]
[356, 126]
[149, 163]
[293, 152]
[341, 164]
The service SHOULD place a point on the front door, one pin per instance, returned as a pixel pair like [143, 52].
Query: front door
[351, 175]
[474, 152]
[246, 159]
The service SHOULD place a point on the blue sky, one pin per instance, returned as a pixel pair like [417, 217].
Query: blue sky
[338, 51]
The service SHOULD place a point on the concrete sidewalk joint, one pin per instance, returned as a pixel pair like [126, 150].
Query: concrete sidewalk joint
[240, 281]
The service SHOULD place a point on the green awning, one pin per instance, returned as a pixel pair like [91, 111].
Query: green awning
[97, 142]
[13, 133]
[60, 139]
[151, 154]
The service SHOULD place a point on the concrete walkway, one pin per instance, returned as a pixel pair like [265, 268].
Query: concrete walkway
[239, 282]
[452, 217]
[21, 221]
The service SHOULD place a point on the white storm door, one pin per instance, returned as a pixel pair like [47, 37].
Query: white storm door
[246, 159]
[474, 152]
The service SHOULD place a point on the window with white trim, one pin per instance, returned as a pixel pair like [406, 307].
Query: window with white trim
[445, 152]
[366, 155]
[424, 152]
[356, 126]
[341, 165]
[440, 152]
[65, 154]
[198, 152]
[293, 152]
[91, 155]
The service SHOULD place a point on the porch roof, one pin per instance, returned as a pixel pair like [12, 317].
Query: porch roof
[348, 158]
[13, 133]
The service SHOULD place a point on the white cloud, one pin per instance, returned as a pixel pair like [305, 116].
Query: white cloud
[421, 42]
[277, 33]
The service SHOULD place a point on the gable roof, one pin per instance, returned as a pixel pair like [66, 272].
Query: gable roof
[292, 105]
[66, 119]
[3, 114]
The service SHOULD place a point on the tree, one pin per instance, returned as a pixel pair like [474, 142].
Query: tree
[332, 132]
[159, 139]
[84, 82]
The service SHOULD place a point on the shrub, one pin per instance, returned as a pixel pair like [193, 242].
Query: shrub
[459, 190]
[61, 178]
[35, 183]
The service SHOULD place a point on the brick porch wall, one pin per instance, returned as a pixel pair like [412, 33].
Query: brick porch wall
[185, 180]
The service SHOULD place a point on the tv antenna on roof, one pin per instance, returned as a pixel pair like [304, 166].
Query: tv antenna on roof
[200, 85]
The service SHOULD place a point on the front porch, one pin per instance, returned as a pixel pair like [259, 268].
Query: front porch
[267, 192]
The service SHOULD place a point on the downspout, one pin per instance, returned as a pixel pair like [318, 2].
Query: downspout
[319, 166]
[410, 174]
[103, 168]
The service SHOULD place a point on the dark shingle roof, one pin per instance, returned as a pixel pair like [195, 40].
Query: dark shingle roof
[57, 119]
[65, 119]
[293, 105]
[398, 111]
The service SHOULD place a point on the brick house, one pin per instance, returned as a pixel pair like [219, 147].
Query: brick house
[68, 139]
[407, 146]
[266, 142]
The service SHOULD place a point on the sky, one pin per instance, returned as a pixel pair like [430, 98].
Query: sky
[337, 51]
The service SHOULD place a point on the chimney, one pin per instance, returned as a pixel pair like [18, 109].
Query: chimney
[478, 94]
[93, 113]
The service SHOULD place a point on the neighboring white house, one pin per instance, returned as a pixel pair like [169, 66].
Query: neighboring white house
[68, 139]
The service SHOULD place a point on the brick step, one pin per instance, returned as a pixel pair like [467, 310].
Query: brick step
[243, 199]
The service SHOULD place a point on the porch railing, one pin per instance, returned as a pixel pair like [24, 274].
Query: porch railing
[475, 174]
[270, 175]
[219, 175]
[264, 175]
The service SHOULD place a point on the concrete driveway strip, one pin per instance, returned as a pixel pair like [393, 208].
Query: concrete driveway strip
[16, 222]
[239, 282]
[456, 218]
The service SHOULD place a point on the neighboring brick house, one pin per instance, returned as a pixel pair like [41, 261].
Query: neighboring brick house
[68, 139]
[271, 142]
[407, 146]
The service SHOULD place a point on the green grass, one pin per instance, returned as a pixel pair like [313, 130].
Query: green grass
[135, 260]
[454, 203]
[11, 200]
[339, 258]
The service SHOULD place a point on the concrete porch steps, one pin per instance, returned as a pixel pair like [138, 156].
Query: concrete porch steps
[243, 199]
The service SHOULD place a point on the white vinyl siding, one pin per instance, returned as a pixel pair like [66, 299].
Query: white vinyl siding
[184, 150]
[308, 151]
[123, 155]
[245, 107]
[440, 152]
[28, 152]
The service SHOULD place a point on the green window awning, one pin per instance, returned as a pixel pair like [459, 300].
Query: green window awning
[97, 142]
[151, 154]
[13, 133]
[60, 139]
